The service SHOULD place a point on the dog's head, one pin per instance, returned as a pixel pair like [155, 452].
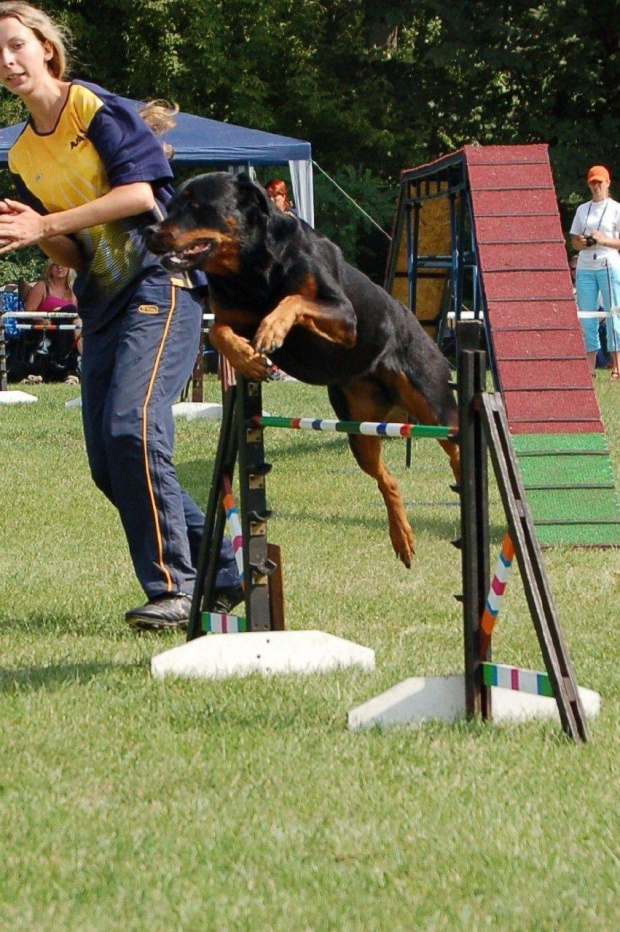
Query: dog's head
[210, 220]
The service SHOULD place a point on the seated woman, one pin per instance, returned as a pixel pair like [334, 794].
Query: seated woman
[53, 293]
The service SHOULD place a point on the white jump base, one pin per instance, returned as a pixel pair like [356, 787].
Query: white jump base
[426, 698]
[16, 397]
[197, 410]
[190, 410]
[220, 656]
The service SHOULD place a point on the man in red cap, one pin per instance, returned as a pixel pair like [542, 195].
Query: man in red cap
[595, 235]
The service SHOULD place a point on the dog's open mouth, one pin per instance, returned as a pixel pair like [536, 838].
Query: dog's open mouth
[190, 257]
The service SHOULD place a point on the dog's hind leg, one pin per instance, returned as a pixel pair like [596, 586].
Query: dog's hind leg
[368, 452]
[423, 411]
[367, 405]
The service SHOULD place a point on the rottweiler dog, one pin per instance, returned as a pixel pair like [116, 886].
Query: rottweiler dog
[280, 291]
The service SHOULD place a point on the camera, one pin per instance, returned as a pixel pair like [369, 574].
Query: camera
[590, 241]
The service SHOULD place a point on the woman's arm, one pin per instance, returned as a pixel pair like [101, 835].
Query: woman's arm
[64, 250]
[604, 239]
[35, 296]
[579, 242]
[22, 226]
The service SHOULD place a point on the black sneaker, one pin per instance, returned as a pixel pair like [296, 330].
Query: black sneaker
[168, 612]
[226, 599]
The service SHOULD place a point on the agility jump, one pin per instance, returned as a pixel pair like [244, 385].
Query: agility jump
[482, 426]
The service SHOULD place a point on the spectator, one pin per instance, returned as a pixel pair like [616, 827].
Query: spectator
[594, 331]
[595, 234]
[53, 293]
[278, 192]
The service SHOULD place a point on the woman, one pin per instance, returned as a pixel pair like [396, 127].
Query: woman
[53, 293]
[595, 235]
[91, 177]
[278, 192]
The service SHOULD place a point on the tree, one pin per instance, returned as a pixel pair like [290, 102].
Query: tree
[375, 87]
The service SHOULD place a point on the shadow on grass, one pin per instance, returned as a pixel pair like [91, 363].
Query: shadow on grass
[435, 526]
[35, 678]
[80, 624]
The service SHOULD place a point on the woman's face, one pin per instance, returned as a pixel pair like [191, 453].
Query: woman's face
[279, 200]
[58, 271]
[23, 57]
[599, 189]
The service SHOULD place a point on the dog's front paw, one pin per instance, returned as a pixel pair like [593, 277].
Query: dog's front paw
[271, 334]
[256, 367]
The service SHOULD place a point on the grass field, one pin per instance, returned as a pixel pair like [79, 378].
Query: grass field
[130, 804]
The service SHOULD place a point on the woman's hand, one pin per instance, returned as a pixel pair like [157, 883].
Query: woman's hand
[598, 237]
[20, 226]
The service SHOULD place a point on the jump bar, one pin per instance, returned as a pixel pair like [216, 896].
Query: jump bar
[369, 428]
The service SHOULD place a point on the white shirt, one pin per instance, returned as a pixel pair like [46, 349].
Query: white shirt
[603, 216]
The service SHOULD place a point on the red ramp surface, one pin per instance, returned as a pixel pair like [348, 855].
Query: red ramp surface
[537, 339]
[502, 254]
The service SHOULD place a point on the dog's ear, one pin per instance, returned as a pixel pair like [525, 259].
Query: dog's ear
[250, 194]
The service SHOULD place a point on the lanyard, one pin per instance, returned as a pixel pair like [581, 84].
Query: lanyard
[585, 226]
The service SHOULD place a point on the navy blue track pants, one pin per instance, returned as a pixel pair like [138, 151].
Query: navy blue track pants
[133, 370]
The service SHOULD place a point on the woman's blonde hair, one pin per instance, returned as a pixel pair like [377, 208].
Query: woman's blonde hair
[44, 29]
[47, 274]
[160, 116]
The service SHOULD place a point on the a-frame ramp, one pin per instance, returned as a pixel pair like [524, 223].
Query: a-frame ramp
[505, 261]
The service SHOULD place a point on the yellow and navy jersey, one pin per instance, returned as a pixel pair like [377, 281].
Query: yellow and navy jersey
[98, 143]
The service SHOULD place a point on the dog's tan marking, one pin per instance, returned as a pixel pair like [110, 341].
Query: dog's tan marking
[316, 316]
[365, 405]
[309, 288]
[239, 352]
[418, 407]
[222, 260]
[242, 322]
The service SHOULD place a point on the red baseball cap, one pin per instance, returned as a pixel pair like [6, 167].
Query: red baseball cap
[598, 173]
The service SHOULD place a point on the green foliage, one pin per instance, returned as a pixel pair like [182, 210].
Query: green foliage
[27, 264]
[375, 87]
[339, 218]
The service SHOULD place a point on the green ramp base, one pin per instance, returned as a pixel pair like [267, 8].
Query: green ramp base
[571, 488]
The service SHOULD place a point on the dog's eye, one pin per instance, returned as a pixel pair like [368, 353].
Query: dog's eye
[194, 205]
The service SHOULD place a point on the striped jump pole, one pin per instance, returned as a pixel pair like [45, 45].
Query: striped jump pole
[496, 594]
[234, 522]
[35, 320]
[48, 315]
[368, 428]
[219, 622]
[523, 681]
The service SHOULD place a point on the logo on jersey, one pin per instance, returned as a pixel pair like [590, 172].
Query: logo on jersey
[81, 137]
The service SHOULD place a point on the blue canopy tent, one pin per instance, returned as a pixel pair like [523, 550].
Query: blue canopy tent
[200, 141]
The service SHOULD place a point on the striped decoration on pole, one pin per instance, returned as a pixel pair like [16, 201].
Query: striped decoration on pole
[368, 428]
[523, 681]
[496, 594]
[234, 522]
[219, 623]
[227, 374]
